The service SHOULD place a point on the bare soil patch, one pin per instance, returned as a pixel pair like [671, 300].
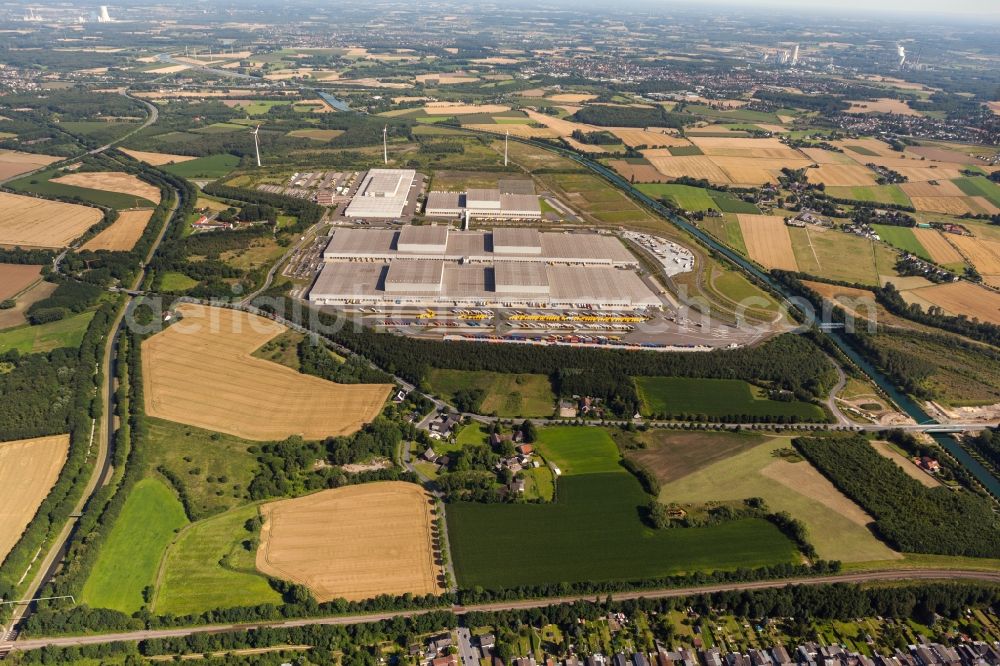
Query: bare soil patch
[14, 278]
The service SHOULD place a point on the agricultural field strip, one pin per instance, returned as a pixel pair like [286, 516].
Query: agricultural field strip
[28, 470]
[32, 222]
[201, 372]
[111, 181]
[767, 241]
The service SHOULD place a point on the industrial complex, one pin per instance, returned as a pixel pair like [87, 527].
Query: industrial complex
[512, 199]
[382, 194]
[437, 265]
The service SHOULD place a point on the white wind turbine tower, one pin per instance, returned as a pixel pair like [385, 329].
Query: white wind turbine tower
[506, 138]
[256, 143]
[385, 144]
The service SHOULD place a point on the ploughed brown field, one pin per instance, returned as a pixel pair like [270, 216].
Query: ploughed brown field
[28, 470]
[200, 371]
[30, 222]
[14, 278]
[355, 542]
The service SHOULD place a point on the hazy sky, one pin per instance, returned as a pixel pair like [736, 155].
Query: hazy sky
[954, 7]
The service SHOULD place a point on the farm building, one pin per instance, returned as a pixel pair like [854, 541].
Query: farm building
[426, 266]
[383, 194]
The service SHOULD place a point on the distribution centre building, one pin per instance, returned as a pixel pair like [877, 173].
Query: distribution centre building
[438, 266]
[382, 194]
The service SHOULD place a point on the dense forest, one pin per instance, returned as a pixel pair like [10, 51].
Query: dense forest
[909, 516]
[631, 116]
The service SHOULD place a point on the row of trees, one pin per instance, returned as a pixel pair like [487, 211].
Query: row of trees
[908, 515]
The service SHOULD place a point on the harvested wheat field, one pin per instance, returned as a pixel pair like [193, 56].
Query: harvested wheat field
[459, 109]
[587, 147]
[844, 175]
[724, 146]
[200, 371]
[572, 98]
[917, 174]
[938, 246]
[983, 254]
[157, 159]
[946, 205]
[563, 127]
[112, 181]
[123, 234]
[942, 155]
[884, 105]
[14, 163]
[30, 222]
[905, 464]
[963, 298]
[820, 156]
[354, 543]
[28, 470]
[15, 278]
[637, 137]
[767, 241]
[755, 170]
[638, 173]
[943, 188]
[518, 130]
[695, 166]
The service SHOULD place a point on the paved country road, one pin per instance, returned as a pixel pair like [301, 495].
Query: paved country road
[862, 577]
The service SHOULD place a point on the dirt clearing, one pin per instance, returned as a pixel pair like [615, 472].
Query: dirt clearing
[28, 470]
[15, 278]
[112, 181]
[767, 241]
[123, 234]
[200, 371]
[354, 543]
[31, 222]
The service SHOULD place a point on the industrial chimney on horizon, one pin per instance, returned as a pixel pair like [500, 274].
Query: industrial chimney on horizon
[103, 16]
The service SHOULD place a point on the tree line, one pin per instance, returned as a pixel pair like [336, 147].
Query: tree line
[909, 516]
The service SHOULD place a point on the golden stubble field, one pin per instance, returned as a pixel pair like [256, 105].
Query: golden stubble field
[31, 222]
[14, 163]
[28, 470]
[123, 234]
[767, 241]
[200, 371]
[937, 246]
[971, 300]
[157, 159]
[355, 542]
[112, 181]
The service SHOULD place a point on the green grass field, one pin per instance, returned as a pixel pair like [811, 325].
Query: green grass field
[507, 395]
[673, 454]
[732, 114]
[839, 256]
[685, 196]
[40, 184]
[980, 187]
[209, 567]
[579, 450]
[714, 397]
[215, 468]
[174, 281]
[28, 339]
[593, 531]
[751, 473]
[875, 194]
[903, 238]
[728, 203]
[215, 166]
[471, 434]
[684, 151]
[129, 559]
[220, 128]
[861, 150]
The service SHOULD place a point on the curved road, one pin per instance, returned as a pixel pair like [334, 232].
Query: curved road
[866, 577]
[104, 434]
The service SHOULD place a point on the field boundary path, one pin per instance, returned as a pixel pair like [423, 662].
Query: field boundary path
[855, 578]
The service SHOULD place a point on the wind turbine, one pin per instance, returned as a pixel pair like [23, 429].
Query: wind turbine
[506, 138]
[385, 144]
[256, 143]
